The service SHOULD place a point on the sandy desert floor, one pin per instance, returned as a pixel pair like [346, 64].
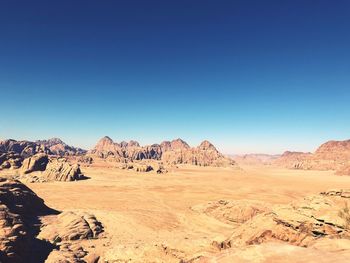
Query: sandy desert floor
[148, 217]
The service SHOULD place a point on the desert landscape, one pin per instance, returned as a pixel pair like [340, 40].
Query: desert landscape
[187, 131]
[168, 202]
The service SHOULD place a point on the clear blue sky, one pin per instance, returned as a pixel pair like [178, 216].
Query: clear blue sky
[250, 76]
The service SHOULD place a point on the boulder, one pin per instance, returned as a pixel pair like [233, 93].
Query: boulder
[37, 162]
[61, 170]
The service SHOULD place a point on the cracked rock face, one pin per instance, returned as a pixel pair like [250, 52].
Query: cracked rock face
[61, 170]
[300, 223]
[34, 163]
[18, 204]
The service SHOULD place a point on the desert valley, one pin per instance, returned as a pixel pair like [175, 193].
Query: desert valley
[169, 202]
[187, 131]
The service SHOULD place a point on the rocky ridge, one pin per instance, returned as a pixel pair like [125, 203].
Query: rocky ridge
[169, 152]
[332, 155]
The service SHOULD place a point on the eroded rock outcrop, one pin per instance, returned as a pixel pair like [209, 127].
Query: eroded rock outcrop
[61, 170]
[37, 162]
[10, 160]
[19, 206]
[23, 148]
[66, 231]
[69, 226]
[299, 223]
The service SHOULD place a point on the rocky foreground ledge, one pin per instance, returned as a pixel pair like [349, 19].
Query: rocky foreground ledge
[32, 232]
[319, 225]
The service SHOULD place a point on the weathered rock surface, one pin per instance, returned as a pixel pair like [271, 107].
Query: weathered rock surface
[10, 160]
[300, 223]
[66, 231]
[37, 162]
[61, 170]
[18, 207]
[69, 226]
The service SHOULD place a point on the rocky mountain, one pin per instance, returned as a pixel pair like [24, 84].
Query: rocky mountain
[57, 147]
[332, 155]
[170, 152]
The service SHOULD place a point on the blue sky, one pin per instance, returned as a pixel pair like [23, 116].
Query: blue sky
[250, 76]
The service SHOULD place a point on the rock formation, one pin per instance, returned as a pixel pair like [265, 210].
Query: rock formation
[34, 163]
[171, 153]
[332, 155]
[23, 148]
[69, 226]
[299, 223]
[67, 231]
[57, 147]
[292, 160]
[12, 152]
[60, 235]
[18, 207]
[59, 169]
[10, 160]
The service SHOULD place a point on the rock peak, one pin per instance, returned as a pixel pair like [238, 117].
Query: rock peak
[206, 145]
[179, 144]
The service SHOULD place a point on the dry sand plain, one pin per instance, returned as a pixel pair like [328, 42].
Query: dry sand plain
[148, 217]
